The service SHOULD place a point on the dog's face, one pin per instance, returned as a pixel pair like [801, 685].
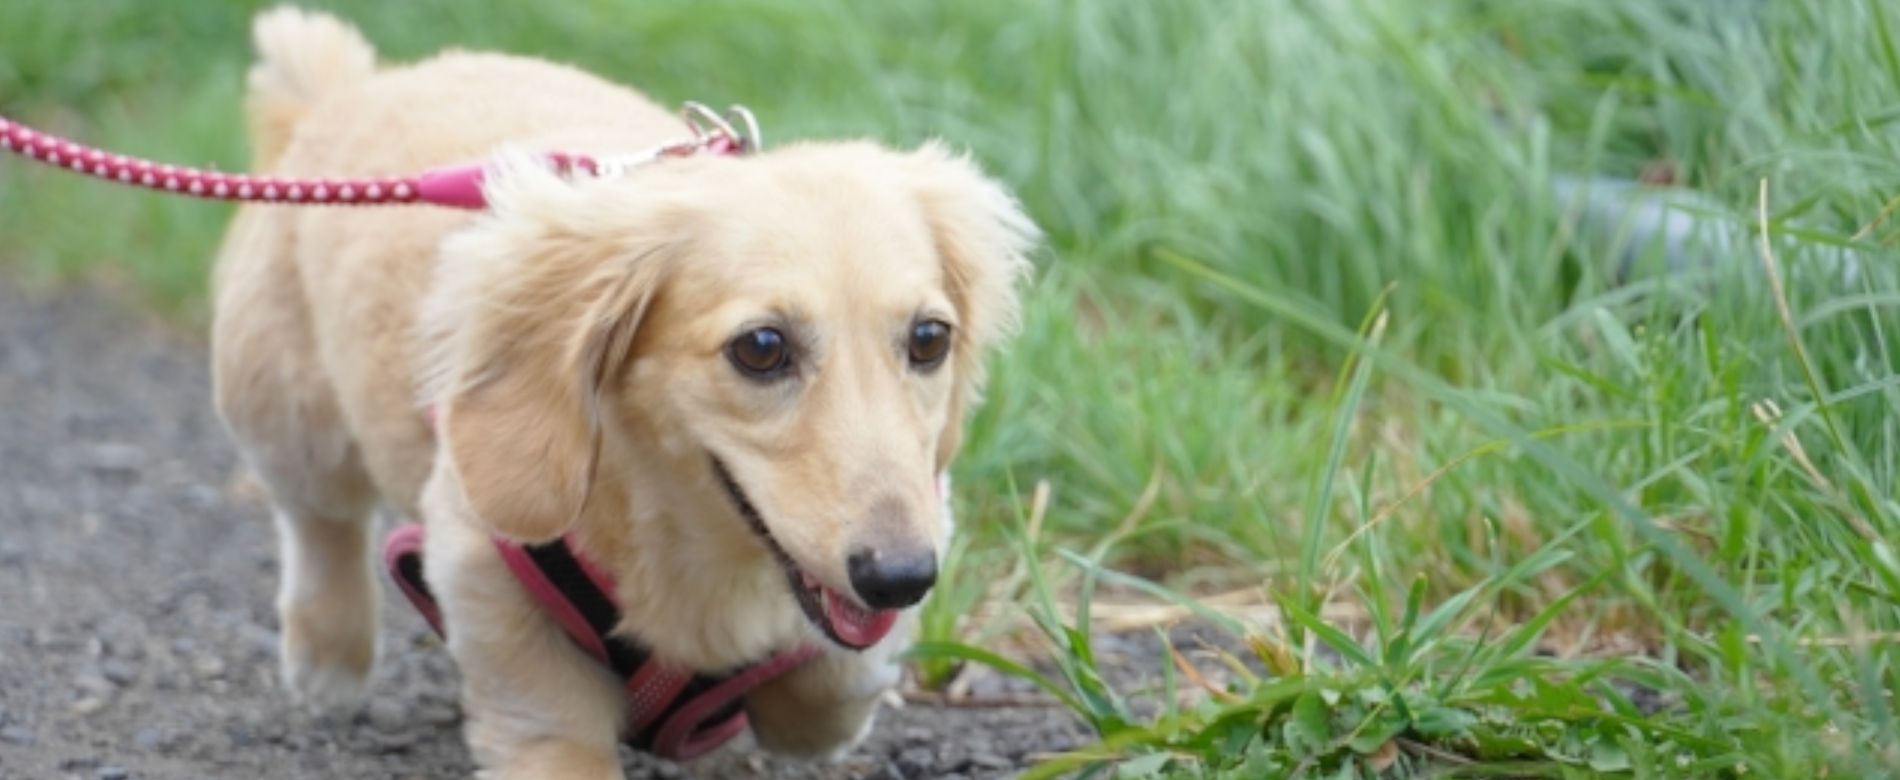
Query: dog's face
[798, 333]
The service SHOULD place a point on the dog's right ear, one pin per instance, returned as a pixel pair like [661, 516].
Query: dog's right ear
[531, 317]
[521, 447]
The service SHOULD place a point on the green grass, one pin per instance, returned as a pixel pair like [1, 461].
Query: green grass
[1310, 308]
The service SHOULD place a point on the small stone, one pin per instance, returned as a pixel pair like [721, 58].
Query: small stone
[4, 714]
[148, 739]
[260, 726]
[991, 761]
[439, 715]
[113, 458]
[126, 649]
[387, 715]
[12, 554]
[262, 641]
[1116, 645]
[208, 666]
[202, 496]
[118, 672]
[87, 705]
[393, 741]
[110, 772]
[985, 684]
[19, 735]
[915, 762]
[94, 682]
[45, 639]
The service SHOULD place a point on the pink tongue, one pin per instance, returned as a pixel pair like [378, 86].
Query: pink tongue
[857, 626]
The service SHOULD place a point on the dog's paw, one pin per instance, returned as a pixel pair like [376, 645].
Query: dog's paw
[327, 672]
[809, 728]
[825, 740]
[328, 692]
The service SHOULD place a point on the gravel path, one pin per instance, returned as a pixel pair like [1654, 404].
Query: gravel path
[137, 638]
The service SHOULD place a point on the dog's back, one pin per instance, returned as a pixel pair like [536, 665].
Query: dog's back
[313, 327]
[350, 277]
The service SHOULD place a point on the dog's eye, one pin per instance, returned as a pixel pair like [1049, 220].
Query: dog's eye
[929, 343]
[760, 353]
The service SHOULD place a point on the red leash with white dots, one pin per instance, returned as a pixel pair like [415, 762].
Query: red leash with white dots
[457, 186]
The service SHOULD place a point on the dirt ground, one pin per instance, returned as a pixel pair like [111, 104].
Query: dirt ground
[137, 638]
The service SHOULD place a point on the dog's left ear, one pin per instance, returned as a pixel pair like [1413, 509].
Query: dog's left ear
[983, 239]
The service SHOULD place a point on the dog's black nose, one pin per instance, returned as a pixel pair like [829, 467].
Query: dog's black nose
[891, 581]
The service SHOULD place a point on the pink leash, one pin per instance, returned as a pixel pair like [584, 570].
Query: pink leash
[456, 186]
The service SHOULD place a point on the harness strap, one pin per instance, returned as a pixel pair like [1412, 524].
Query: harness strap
[672, 713]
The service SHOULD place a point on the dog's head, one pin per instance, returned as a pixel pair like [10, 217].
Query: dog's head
[797, 334]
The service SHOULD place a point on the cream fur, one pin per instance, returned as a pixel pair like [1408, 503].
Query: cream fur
[572, 341]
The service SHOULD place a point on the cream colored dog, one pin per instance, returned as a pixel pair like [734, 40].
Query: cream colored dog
[731, 382]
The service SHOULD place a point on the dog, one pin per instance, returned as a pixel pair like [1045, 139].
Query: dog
[731, 383]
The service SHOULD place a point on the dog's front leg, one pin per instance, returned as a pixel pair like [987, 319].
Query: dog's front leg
[537, 707]
[520, 740]
[826, 707]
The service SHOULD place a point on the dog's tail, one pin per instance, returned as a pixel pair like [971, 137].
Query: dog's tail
[301, 56]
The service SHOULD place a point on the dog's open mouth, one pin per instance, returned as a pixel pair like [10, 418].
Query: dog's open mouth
[840, 617]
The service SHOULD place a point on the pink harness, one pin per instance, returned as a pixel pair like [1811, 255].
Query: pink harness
[672, 713]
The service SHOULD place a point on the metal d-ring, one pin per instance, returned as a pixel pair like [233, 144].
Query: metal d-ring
[707, 122]
[753, 141]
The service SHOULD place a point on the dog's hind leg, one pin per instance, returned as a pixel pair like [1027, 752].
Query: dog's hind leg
[281, 410]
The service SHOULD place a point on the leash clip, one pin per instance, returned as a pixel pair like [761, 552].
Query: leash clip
[712, 130]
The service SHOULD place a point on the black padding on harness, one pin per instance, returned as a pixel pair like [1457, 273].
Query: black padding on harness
[561, 569]
[625, 656]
